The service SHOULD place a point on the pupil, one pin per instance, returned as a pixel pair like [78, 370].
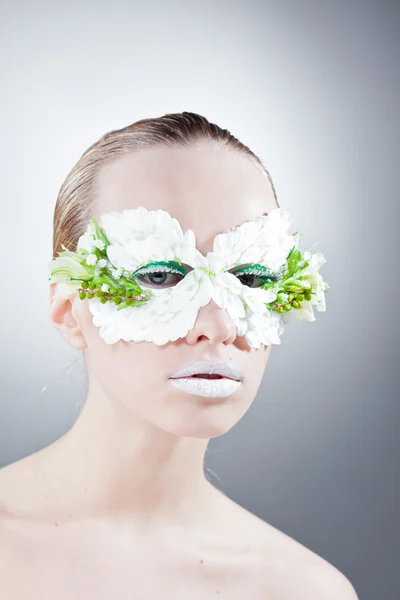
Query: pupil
[158, 277]
[247, 279]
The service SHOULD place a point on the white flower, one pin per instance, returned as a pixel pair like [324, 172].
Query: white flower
[140, 235]
[264, 240]
[258, 325]
[99, 244]
[305, 312]
[86, 241]
[65, 266]
[318, 287]
[61, 269]
[102, 263]
[91, 259]
[116, 273]
[105, 287]
[263, 329]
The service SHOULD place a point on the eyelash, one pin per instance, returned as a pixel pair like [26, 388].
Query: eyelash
[156, 269]
[264, 274]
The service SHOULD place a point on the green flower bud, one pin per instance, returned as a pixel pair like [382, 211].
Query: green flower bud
[99, 294]
[90, 296]
[117, 299]
[307, 296]
[103, 300]
[82, 295]
[121, 291]
[287, 307]
[84, 285]
[279, 309]
[128, 294]
[282, 298]
[300, 297]
[295, 304]
[113, 290]
[92, 286]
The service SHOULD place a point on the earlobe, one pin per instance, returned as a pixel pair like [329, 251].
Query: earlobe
[64, 321]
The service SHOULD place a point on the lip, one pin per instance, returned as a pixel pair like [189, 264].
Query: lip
[209, 367]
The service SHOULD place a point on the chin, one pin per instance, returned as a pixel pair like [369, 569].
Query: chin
[200, 417]
[203, 431]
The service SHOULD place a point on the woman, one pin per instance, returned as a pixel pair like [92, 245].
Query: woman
[119, 506]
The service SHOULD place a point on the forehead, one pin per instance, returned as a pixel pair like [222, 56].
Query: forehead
[208, 189]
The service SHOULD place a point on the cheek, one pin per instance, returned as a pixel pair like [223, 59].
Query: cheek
[127, 372]
[255, 368]
[118, 365]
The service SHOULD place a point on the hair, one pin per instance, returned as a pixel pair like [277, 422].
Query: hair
[75, 200]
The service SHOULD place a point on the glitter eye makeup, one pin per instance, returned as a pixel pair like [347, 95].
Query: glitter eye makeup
[158, 273]
[249, 274]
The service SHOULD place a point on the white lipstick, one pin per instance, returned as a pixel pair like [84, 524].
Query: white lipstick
[208, 379]
[209, 388]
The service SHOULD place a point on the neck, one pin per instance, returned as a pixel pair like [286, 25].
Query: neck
[111, 464]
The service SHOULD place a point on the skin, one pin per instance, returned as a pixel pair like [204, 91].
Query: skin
[122, 496]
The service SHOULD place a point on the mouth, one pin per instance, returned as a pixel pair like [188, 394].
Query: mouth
[212, 386]
[205, 369]
[203, 376]
[206, 379]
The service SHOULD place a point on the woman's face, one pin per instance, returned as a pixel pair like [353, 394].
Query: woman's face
[209, 191]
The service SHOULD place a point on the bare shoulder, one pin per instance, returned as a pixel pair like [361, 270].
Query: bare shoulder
[18, 491]
[22, 482]
[284, 567]
[14, 488]
[327, 582]
[10, 558]
[303, 573]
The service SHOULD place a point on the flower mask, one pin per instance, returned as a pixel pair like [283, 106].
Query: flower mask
[146, 280]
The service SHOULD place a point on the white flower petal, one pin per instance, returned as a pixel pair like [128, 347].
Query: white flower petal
[86, 240]
[305, 312]
[99, 244]
[264, 240]
[91, 259]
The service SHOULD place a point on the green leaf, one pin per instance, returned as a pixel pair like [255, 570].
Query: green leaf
[99, 232]
[268, 285]
[293, 261]
[64, 267]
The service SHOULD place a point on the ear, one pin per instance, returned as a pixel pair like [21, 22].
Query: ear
[63, 319]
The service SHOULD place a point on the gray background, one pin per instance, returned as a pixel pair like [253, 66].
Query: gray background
[313, 89]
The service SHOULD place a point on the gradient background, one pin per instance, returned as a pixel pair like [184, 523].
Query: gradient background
[313, 89]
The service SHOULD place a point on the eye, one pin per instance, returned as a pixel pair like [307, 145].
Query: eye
[160, 274]
[255, 276]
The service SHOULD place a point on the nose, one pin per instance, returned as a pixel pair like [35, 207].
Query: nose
[212, 323]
